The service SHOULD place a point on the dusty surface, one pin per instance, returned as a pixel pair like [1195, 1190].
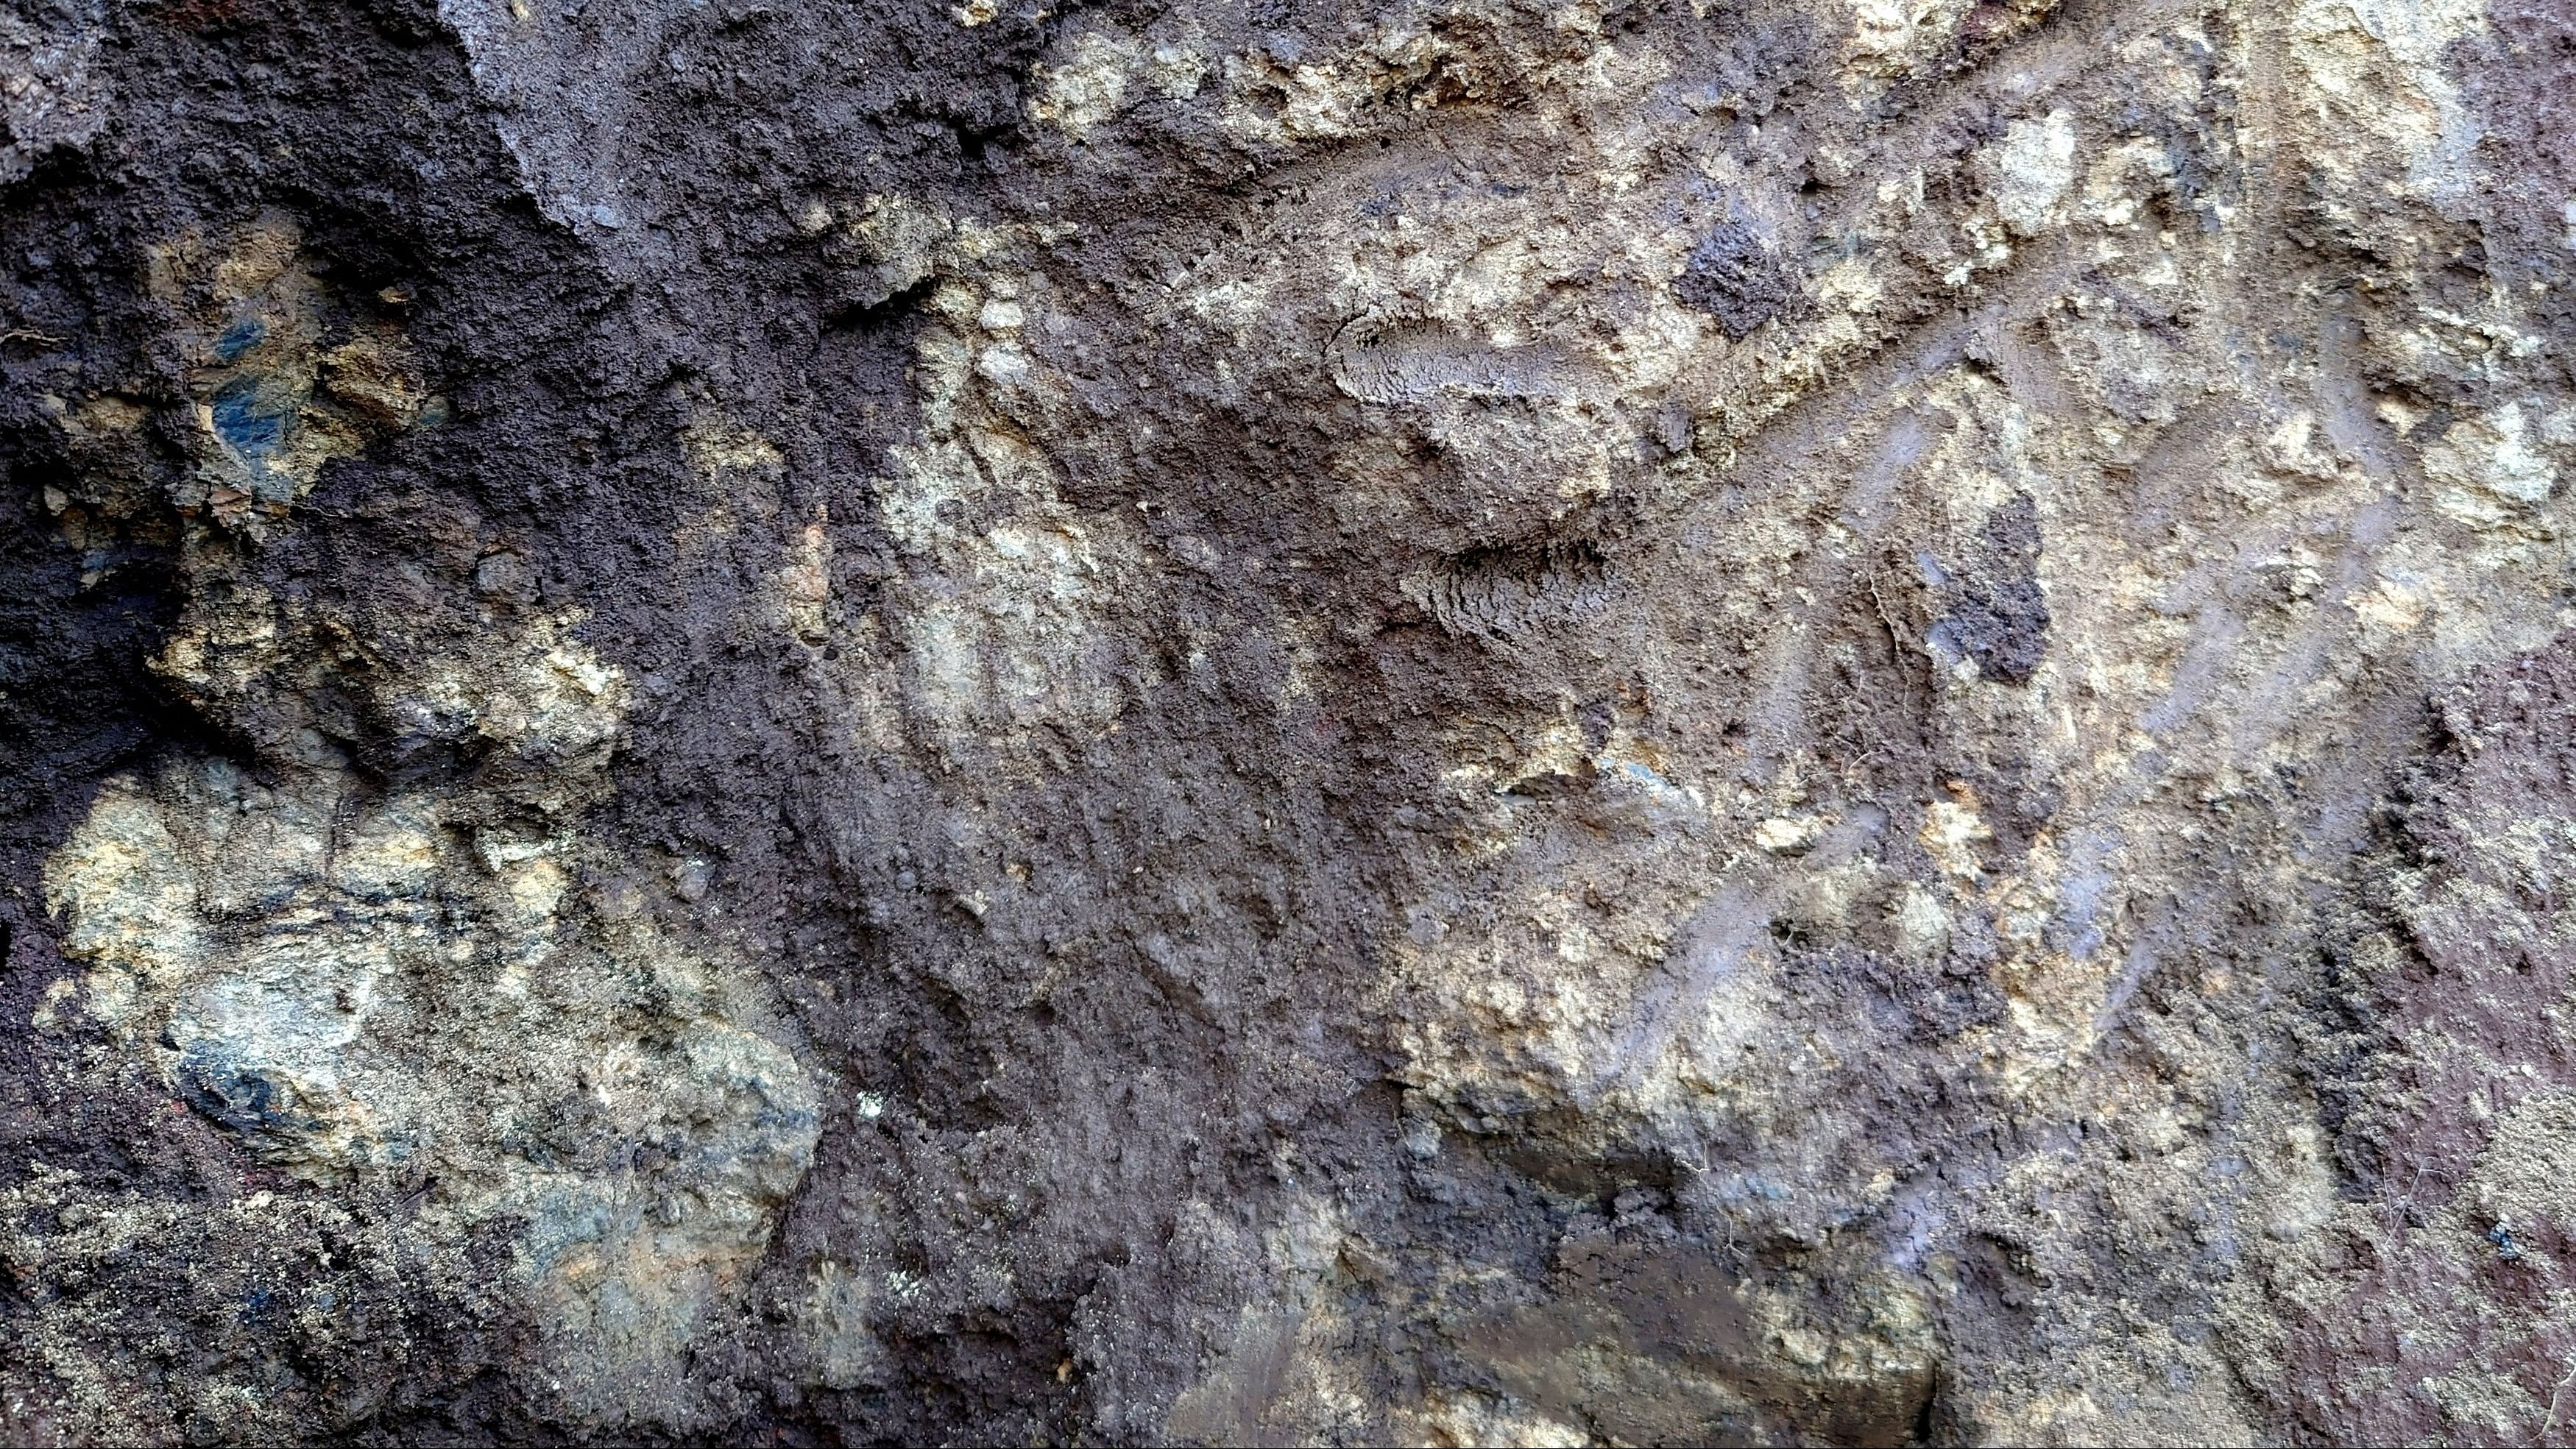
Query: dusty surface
[1448, 721]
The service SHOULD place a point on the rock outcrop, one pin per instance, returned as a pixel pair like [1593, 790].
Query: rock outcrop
[1433, 721]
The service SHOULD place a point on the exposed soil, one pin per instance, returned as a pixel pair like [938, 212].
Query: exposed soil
[1445, 721]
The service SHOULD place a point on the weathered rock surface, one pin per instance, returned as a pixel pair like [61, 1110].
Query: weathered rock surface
[1447, 721]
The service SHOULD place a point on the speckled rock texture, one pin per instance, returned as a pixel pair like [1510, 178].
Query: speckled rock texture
[1518, 722]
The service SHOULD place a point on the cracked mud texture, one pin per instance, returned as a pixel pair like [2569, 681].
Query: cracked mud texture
[1287, 721]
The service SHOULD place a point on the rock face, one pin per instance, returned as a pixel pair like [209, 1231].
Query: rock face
[1445, 721]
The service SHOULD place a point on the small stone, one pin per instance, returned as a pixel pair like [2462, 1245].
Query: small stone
[501, 575]
[690, 879]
